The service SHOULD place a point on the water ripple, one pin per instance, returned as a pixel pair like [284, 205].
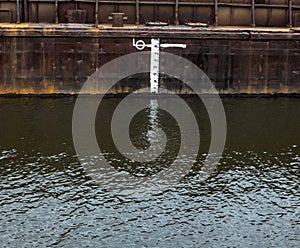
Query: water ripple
[46, 199]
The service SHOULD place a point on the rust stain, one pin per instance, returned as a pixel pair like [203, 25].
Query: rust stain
[249, 90]
[55, 65]
[284, 89]
[265, 90]
[50, 90]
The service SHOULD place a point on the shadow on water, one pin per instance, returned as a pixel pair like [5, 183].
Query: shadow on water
[251, 200]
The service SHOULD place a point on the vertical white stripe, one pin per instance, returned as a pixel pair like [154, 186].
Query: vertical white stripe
[154, 66]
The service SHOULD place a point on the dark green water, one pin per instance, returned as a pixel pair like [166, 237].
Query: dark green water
[252, 200]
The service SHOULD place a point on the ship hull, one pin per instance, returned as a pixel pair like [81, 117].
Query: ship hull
[58, 59]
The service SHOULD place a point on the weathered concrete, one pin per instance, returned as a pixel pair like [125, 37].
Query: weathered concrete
[54, 59]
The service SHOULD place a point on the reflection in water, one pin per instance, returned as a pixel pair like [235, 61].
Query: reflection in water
[153, 135]
[153, 121]
[252, 200]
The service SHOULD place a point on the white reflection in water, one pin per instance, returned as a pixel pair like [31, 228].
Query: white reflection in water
[152, 134]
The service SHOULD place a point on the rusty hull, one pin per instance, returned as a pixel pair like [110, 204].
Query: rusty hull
[58, 59]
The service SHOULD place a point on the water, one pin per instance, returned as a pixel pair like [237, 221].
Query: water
[252, 200]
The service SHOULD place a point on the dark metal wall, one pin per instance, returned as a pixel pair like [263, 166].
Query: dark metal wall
[217, 12]
[46, 65]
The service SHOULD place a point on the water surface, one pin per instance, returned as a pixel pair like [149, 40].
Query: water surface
[46, 198]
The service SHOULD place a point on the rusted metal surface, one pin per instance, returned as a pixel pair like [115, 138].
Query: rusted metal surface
[176, 12]
[236, 48]
[297, 20]
[137, 12]
[47, 60]
[117, 19]
[76, 16]
[5, 15]
[18, 11]
[214, 12]
[96, 13]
